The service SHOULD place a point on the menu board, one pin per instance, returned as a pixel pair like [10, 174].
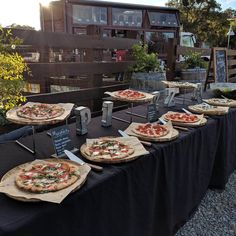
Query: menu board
[61, 139]
[152, 115]
[220, 65]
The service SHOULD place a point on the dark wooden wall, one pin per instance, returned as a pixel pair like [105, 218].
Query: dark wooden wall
[231, 54]
[60, 65]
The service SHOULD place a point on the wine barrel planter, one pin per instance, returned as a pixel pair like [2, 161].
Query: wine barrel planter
[148, 82]
[197, 75]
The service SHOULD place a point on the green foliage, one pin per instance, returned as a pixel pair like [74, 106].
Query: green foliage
[205, 19]
[144, 61]
[25, 27]
[3, 120]
[12, 69]
[7, 41]
[193, 60]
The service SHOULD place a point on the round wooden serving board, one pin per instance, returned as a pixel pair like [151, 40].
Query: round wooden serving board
[184, 124]
[109, 161]
[174, 135]
[213, 102]
[214, 112]
[13, 172]
[12, 116]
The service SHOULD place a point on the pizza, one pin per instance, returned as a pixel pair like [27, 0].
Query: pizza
[221, 101]
[181, 117]
[179, 84]
[151, 130]
[108, 149]
[130, 94]
[47, 176]
[40, 111]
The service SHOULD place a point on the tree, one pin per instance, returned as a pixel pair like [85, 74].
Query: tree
[205, 19]
[12, 68]
[25, 27]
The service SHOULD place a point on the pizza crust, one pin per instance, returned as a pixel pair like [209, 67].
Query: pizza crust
[181, 117]
[108, 149]
[150, 130]
[47, 177]
[40, 111]
[130, 94]
[221, 102]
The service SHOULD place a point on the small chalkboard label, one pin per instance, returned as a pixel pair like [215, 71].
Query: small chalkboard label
[152, 113]
[61, 139]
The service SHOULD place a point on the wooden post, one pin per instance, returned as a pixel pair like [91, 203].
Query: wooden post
[95, 80]
[171, 59]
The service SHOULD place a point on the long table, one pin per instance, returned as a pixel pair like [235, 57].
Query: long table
[150, 196]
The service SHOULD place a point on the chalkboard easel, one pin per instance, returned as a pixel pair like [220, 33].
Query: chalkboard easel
[218, 67]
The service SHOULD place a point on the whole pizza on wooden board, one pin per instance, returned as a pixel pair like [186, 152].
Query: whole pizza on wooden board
[150, 130]
[130, 94]
[40, 111]
[207, 109]
[177, 84]
[181, 117]
[108, 149]
[47, 176]
[221, 102]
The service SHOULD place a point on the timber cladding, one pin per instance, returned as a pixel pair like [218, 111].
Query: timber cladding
[73, 61]
[231, 54]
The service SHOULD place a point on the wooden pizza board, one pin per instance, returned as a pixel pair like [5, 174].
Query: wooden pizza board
[13, 117]
[148, 97]
[201, 122]
[173, 133]
[186, 85]
[219, 110]
[211, 101]
[139, 150]
[8, 186]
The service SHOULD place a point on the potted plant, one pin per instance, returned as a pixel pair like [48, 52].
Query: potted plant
[193, 68]
[147, 71]
[12, 69]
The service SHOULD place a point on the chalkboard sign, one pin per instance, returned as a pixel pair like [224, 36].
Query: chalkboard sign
[220, 65]
[61, 139]
[152, 113]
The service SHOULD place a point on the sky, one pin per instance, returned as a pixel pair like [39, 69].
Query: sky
[26, 12]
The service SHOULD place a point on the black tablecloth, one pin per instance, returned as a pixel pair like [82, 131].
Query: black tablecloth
[146, 197]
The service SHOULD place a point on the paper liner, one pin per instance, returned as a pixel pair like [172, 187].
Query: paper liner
[214, 102]
[172, 84]
[13, 117]
[139, 150]
[202, 121]
[173, 133]
[148, 97]
[219, 110]
[8, 186]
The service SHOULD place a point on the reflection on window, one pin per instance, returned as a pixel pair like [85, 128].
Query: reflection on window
[157, 41]
[126, 17]
[187, 41]
[162, 19]
[89, 15]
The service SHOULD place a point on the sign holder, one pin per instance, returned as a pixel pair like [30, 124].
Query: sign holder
[61, 141]
[170, 95]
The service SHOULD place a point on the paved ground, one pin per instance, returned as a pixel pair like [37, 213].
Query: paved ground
[216, 215]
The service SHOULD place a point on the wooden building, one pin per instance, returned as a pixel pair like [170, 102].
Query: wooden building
[154, 25]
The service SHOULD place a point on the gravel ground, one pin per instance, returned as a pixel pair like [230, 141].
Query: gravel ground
[216, 215]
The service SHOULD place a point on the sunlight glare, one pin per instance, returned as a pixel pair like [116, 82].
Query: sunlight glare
[44, 3]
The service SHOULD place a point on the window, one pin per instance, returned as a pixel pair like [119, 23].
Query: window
[163, 19]
[126, 17]
[89, 15]
[157, 41]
